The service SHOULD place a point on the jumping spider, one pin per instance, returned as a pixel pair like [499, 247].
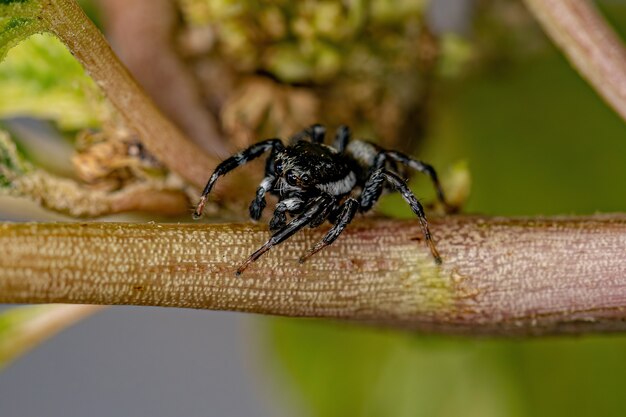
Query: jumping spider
[315, 182]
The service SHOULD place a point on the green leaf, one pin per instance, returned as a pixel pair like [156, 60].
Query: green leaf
[18, 20]
[40, 78]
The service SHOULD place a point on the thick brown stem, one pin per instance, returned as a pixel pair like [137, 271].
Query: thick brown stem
[590, 44]
[499, 276]
[134, 24]
[67, 20]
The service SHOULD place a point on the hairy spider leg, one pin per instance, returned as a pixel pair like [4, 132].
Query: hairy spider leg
[269, 182]
[371, 193]
[316, 133]
[342, 137]
[288, 205]
[233, 162]
[258, 204]
[418, 166]
[287, 231]
[323, 215]
[348, 210]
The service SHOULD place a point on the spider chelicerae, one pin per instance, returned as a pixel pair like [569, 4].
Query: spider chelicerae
[315, 182]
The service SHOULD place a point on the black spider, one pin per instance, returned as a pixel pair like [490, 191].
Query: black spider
[316, 182]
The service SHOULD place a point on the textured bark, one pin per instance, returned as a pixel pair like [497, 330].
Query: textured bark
[589, 43]
[499, 276]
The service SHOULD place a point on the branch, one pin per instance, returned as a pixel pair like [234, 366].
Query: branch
[18, 178]
[66, 20]
[590, 44]
[69, 197]
[160, 70]
[499, 276]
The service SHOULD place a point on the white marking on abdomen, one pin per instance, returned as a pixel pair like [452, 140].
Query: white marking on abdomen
[363, 152]
[340, 187]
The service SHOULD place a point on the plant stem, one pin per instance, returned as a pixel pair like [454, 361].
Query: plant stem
[499, 276]
[66, 20]
[160, 69]
[69, 197]
[589, 43]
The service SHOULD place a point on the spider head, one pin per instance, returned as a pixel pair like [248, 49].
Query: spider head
[308, 166]
[305, 165]
[293, 172]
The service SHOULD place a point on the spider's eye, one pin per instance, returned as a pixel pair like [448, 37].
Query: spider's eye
[305, 178]
[292, 178]
[278, 167]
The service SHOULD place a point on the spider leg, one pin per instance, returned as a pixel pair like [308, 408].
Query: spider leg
[258, 204]
[233, 162]
[323, 215]
[315, 132]
[342, 137]
[269, 182]
[421, 167]
[348, 211]
[372, 190]
[287, 231]
[279, 219]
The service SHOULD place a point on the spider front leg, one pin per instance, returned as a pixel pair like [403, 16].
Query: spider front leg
[233, 162]
[348, 211]
[288, 230]
[323, 215]
[269, 182]
[258, 204]
[373, 189]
